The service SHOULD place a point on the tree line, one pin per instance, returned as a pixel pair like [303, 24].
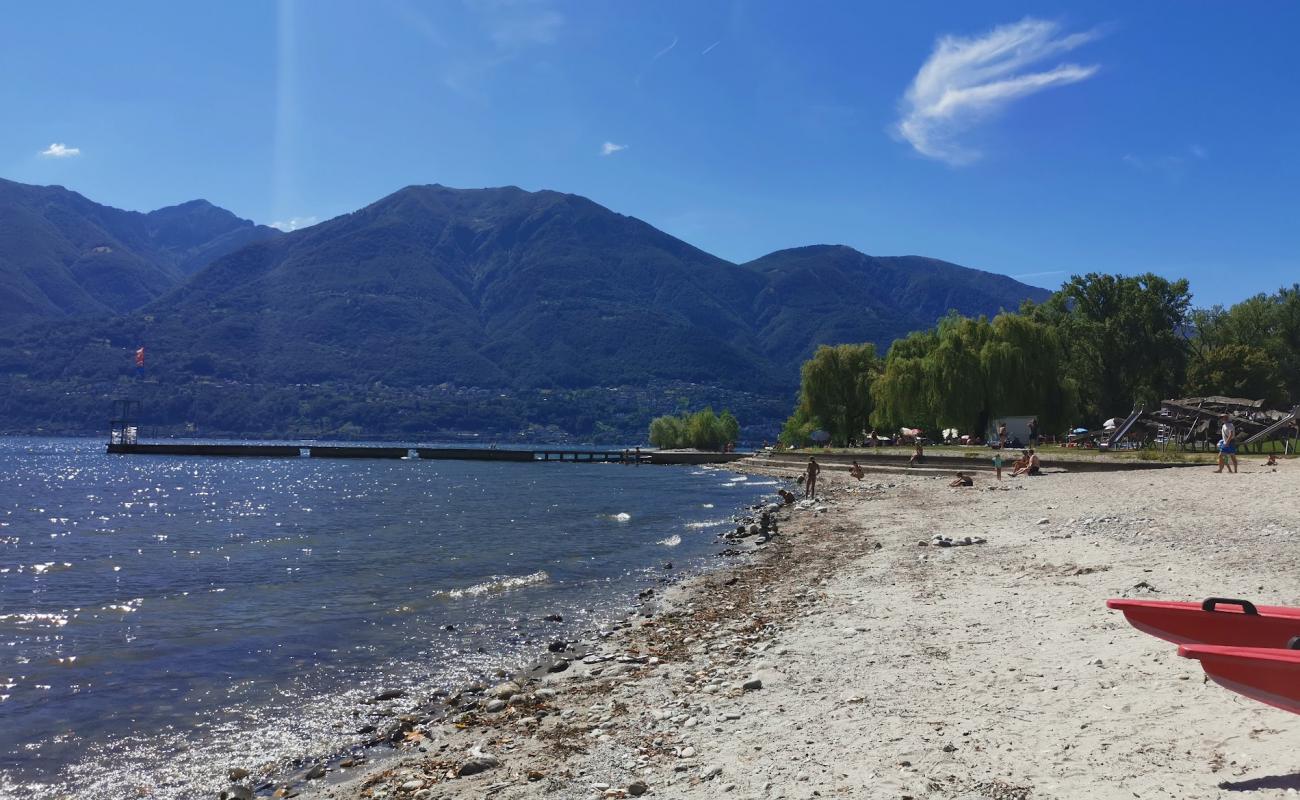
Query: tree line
[1097, 348]
[702, 430]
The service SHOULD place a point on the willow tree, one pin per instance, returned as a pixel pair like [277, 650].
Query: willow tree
[835, 389]
[900, 395]
[967, 371]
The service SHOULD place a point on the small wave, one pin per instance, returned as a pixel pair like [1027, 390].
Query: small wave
[740, 478]
[706, 505]
[497, 583]
[128, 607]
[621, 516]
[708, 523]
[57, 620]
[50, 566]
[671, 541]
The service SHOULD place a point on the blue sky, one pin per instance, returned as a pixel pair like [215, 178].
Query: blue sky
[1030, 139]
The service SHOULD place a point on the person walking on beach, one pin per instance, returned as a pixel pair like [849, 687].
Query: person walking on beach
[1033, 432]
[810, 479]
[1227, 444]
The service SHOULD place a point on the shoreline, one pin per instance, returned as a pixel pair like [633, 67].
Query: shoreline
[888, 669]
[397, 723]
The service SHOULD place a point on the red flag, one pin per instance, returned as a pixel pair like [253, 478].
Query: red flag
[139, 357]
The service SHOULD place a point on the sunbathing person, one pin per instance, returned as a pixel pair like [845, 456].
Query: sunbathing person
[1021, 466]
[1035, 466]
[962, 480]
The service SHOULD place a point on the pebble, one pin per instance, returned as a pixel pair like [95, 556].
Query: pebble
[237, 793]
[637, 788]
[753, 684]
[688, 752]
[318, 771]
[237, 774]
[412, 785]
[496, 704]
[711, 772]
[1044, 521]
[477, 764]
[505, 690]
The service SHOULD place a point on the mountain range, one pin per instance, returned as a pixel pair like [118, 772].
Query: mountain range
[429, 293]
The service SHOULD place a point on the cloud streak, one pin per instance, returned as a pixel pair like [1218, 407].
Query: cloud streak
[296, 223]
[965, 81]
[609, 148]
[60, 150]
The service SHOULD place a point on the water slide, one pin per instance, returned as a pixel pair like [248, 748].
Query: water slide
[1123, 428]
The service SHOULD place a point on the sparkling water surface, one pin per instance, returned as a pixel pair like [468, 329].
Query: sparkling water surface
[163, 618]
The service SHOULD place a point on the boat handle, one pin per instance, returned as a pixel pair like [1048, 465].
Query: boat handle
[1247, 607]
[1293, 643]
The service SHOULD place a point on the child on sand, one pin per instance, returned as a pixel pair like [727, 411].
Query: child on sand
[962, 480]
[856, 470]
[918, 455]
[997, 463]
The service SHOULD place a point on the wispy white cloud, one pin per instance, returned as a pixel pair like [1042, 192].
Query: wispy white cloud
[517, 23]
[295, 223]
[967, 80]
[709, 49]
[60, 150]
[609, 148]
[664, 51]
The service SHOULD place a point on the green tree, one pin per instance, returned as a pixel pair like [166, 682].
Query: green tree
[1123, 338]
[967, 371]
[798, 429]
[1236, 370]
[730, 427]
[703, 430]
[836, 388]
[1266, 323]
[667, 433]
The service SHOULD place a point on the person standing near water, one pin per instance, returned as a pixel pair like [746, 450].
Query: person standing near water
[1002, 434]
[997, 463]
[1227, 444]
[1033, 432]
[810, 478]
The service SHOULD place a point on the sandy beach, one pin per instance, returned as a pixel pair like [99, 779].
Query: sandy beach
[845, 659]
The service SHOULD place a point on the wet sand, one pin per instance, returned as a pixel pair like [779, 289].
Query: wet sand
[890, 669]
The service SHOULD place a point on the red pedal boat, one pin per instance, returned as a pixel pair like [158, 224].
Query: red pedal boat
[1216, 621]
[1269, 675]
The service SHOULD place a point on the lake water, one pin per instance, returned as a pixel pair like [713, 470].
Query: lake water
[163, 619]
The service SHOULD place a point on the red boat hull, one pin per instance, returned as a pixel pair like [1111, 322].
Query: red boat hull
[1216, 621]
[1269, 675]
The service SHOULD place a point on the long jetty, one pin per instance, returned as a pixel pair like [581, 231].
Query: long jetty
[633, 456]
